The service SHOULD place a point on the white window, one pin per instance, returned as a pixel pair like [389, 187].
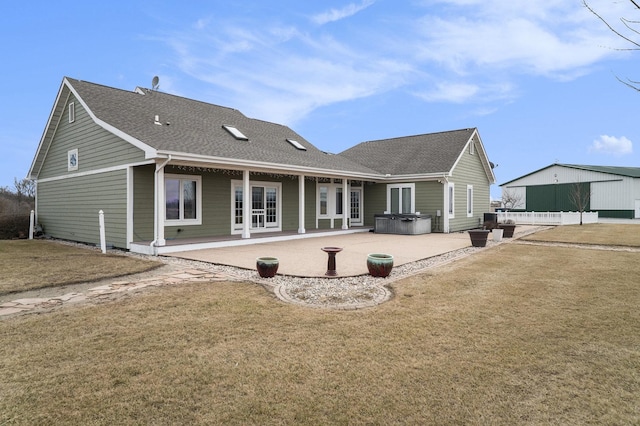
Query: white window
[339, 200]
[330, 200]
[323, 197]
[452, 193]
[401, 198]
[72, 112]
[469, 200]
[472, 148]
[183, 199]
[72, 160]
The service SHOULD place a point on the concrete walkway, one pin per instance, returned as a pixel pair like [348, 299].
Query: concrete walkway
[304, 257]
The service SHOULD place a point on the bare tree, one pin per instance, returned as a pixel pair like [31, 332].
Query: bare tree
[631, 25]
[25, 188]
[511, 199]
[580, 197]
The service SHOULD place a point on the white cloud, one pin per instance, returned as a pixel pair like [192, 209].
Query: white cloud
[541, 38]
[451, 92]
[338, 14]
[458, 51]
[612, 145]
[458, 93]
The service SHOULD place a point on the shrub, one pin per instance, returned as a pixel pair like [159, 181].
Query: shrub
[14, 215]
[14, 226]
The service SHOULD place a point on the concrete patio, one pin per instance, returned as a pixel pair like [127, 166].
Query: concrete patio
[304, 257]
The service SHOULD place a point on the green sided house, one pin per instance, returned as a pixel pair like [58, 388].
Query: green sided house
[173, 174]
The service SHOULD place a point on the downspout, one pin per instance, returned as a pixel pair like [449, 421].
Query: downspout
[156, 211]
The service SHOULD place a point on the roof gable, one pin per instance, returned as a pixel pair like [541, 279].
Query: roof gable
[427, 154]
[175, 125]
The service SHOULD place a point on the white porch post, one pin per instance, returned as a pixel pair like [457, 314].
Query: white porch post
[160, 204]
[301, 203]
[445, 210]
[346, 206]
[246, 205]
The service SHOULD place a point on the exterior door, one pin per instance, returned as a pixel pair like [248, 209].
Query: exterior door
[356, 207]
[264, 207]
[264, 203]
[637, 215]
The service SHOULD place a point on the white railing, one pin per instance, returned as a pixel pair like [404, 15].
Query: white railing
[548, 218]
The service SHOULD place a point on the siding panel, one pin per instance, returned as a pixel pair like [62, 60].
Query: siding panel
[469, 171]
[68, 208]
[97, 148]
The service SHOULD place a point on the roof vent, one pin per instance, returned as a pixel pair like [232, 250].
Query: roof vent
[235, 133]
[297, 144]
[157, 120]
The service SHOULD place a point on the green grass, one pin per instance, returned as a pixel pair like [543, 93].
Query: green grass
[33, 264]
[517, 334]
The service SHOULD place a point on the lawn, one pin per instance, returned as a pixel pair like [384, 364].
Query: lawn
[33, 264]
[516, 334]
[594, 233]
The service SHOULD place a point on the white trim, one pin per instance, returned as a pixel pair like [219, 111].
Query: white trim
[332, 191]
[96, 172]
[400, 187]
[360, 191]
[346, 204]
[451, 198]
[72, 112]
[149, 151]
[301, 205]
[181, 178]
[130, 198]
[469, 200]
[260, 166]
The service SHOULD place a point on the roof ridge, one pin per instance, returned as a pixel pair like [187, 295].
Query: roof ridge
[154, 91]
[420, 134]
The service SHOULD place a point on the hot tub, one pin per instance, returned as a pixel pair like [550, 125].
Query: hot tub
[402, 224]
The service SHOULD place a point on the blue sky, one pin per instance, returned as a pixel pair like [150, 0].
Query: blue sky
[538, 79]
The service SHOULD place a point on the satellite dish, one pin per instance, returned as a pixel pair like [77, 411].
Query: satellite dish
[155, 82]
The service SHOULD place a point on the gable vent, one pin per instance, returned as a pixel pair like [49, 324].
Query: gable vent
[235, 133]
[297, 144]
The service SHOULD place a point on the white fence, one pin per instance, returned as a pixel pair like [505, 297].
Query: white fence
[548, 218]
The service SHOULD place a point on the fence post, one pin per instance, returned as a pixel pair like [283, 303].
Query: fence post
[32, 218]
[103, 244]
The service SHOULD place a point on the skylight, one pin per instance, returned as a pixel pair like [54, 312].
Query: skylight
[235, 133]
[297, 144]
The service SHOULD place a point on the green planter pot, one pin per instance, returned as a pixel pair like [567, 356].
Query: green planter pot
[267, 266]
[379, 264]
[479, 237]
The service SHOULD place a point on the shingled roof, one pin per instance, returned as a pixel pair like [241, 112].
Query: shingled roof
[194, 129]
[434, 153]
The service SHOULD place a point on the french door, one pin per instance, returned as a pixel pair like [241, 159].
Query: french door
[264, 199]
[264, 207]
[355, 207]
